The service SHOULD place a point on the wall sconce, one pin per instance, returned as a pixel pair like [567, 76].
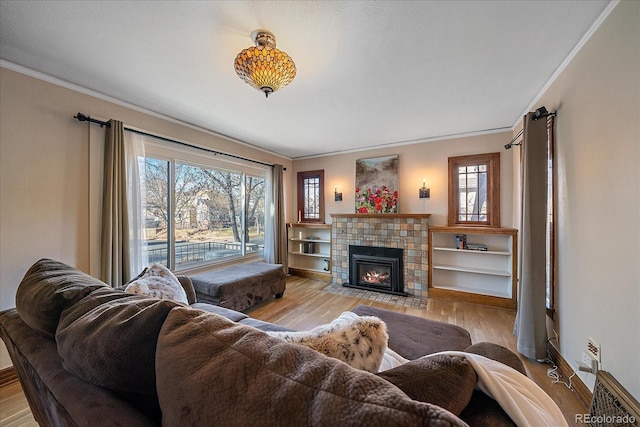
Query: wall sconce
[424, 192]
[337, 196]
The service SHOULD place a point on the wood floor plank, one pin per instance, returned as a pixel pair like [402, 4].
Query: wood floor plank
[14, 409]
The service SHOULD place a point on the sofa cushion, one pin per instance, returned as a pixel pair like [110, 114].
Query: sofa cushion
[109, 338]
[47, 289]
[207, 366]
[233, 315]
[188, 289]
[443, 380]
[359, 341]
[263, 326]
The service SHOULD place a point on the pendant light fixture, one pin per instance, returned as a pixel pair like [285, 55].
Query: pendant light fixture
[263, 66]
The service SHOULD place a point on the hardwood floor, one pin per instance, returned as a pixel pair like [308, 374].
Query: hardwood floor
[305, 306]
[14, 409]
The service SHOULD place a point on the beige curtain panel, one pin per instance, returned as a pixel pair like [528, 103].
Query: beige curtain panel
[115, 257]
[530, 327]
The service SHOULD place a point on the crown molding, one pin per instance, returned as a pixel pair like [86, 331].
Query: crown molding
[410, 142]
[90, 92]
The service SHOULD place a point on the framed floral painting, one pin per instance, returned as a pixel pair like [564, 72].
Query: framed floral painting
[377, 185]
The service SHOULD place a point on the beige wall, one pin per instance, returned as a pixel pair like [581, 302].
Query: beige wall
[416, 161]
[45, 173]
[598, 153]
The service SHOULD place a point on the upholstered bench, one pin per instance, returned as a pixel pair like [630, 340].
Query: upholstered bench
[240, 286]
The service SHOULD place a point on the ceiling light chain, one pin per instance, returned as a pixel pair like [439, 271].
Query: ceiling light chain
[263, 66]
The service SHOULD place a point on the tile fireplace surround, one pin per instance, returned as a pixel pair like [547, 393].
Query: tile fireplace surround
[404, 231]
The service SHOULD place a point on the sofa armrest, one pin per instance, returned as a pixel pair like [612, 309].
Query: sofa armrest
[188, 288]
[56, 396]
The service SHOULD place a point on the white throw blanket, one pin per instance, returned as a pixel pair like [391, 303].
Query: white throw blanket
[521, 398]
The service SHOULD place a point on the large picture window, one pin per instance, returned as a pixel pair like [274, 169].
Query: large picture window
[199, 209]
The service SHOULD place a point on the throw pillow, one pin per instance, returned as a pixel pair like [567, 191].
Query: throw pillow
[443, 380]
[359, 341]
[159, 282]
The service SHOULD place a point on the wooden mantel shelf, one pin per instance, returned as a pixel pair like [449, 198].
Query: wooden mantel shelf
[386, 216]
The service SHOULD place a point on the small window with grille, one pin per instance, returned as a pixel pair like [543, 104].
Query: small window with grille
[311, 196]
[474, 190]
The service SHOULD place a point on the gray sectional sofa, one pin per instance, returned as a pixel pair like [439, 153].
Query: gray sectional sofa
[87, 355]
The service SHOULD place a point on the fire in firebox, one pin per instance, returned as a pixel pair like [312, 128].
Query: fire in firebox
[376, 277]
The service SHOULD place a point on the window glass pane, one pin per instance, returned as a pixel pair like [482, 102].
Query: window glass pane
[472, 186]
[208, 215]
[255, 213]
[462, 182]
[157, 209]
[312, 197]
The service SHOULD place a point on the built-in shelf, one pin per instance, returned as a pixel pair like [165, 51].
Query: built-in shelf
[505, 253]
[475, 291]
[487, 271]
[294, 239]
[485, 277]
[315, 263]
[326, 256]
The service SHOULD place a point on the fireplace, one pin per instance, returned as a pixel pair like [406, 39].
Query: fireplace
[376, 269]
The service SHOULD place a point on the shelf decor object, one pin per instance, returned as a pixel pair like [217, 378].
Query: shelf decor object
[474, 264]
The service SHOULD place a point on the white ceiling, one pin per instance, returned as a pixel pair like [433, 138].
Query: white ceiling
[369, 73]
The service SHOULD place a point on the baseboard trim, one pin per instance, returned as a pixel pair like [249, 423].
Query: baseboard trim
[8, 376]
[581, 389]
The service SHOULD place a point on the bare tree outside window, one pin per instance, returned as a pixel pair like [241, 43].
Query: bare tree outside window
[207, 213]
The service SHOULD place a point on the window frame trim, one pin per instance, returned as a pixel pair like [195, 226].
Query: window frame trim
[492, 160]
[300, 201]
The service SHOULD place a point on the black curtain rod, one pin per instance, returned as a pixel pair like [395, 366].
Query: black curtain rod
[511, 143]
[84, 118]
[537, 115]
